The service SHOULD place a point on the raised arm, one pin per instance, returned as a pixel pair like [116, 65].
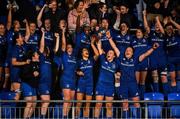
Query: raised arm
[146, 26]
[99, 46]
[96, 53]
[118, 20]
[42, 42]
[113, 45]
[63, 48]
[174, 23]
[149, 52]
[9, 18]
[27, 35]
[39, 22]
[57, 42]
[159, 24]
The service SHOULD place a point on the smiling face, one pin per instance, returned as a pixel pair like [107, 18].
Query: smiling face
[2, 29]
[123, 9]
[110, 55]
[139, 33]
[20, 39]
[47, 24]
[105, 24]
[129, 52]
[32, 28]
[69, 49]
[80, 7]
[124, 28]
[53, 6]
[169, 30]
[157, 29]
[35, 56]
[16, 25]
[103, 9]
[85, 53]
[87, 30]
[62, 23]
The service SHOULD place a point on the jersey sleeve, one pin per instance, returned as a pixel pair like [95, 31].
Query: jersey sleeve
[102, 58]
[14, 53]
[57, 60]
[41, 56]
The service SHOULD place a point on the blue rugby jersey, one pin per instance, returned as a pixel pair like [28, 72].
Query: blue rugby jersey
[86, 66]
[107, 71]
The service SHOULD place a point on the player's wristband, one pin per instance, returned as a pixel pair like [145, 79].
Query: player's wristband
[109, 37]
[117, 84]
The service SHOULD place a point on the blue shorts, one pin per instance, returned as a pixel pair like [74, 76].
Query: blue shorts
[28, 90]
[7, 62]
[68, 84]
[14, 75]
[173, 64]
[105, 89]
[44, 88]
[143, 66]
[158, 61]
[173, 67]
[85, 87]
[128, 90]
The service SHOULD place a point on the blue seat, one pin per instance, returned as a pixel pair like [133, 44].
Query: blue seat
[154, 108]
[7, 108]
[174, 106]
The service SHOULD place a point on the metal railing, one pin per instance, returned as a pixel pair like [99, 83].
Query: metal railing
[149, 109]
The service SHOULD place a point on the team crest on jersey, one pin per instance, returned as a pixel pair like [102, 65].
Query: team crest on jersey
[113, 66]
[97, 92]
[119, 36]
[131, 60]
[35, 37]
[134, 41]
[47, 92]
[30, 93]
[67, 86]
[144, 40]
[88, 61]
[106, 62]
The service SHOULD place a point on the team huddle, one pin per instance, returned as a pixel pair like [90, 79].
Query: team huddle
[119, 60]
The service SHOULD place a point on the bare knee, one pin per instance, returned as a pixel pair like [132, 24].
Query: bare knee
[108, 105]
[98, 105]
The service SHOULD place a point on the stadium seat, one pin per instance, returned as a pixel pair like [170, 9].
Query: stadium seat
[174, 106]
[7, 109]
[154, 109]
[135, 113]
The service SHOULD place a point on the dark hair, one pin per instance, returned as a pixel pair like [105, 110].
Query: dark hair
[105, 19]
[124, 22]
[131, 48]
[2, 24]
[101, 4]
[141, 29]
[168, 24]
[16, 36]
[32, 22]
[30, 54]
[76, 4]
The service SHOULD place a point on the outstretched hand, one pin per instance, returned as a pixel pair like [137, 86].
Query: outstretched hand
[155, 46]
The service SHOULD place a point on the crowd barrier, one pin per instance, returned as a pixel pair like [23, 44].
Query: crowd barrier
[11, 109]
